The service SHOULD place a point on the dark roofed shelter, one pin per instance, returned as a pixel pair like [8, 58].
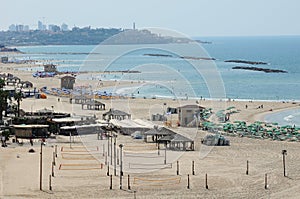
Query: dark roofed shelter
[157, 133]
[81, 99]
[93, 105]
[12, 81]
[26, 84]
[31, 131]
[116, 114]
[177, 142]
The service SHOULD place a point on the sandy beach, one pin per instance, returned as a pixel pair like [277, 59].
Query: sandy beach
[85, 175]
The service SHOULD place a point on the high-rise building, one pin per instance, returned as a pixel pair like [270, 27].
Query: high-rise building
[26, 28]
[19, 28]
[64, 27]
[53, 28]
[12, 27]
[40, 25]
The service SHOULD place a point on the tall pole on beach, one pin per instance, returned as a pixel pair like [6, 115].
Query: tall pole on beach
[284, 153]
[111, 147]
[115, 158]
[165, 162]
[41, 166]
[121, 165]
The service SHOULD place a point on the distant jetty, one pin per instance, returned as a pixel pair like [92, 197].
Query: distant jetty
[8, 50]
[247, 62]
[182, 57]
[266, 70]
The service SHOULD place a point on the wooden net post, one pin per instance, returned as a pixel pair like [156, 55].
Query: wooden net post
[110, 187]
[206, 184]
[193, 167]
[266, 181]
[50, 185]
[128, 182]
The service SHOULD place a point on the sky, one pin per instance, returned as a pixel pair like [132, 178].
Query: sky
[190, 17]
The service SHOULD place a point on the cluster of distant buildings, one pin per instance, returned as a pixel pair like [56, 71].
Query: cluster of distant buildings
[40, 26]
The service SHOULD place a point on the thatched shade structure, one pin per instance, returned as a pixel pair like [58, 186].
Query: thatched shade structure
[157, 133]
[116, 114]
[93, 105]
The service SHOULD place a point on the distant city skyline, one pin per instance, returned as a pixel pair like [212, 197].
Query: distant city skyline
[40, 26]
[193, 18]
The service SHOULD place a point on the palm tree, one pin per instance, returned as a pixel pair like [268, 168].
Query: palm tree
[18, 97]
[3, 99]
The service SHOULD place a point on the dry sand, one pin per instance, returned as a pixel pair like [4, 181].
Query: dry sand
[225, 166]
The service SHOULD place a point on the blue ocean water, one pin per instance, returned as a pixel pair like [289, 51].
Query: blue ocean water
[279, 52]
[287, 117]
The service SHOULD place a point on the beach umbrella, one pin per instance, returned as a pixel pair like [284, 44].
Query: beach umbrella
[231, 107]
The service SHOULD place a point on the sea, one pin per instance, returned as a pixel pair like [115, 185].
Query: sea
[186, 70]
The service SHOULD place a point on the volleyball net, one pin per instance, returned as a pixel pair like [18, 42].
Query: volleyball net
[79, 149]
[95, 166]
[156, 182]
[149, 166]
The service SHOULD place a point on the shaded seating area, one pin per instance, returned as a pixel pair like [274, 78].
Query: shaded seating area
[80, 99]
[84, 130]
[25, 84]
[31, 131]
[180, 143]
[129, 127]
[116, 114]
[93, 105]
[156, 133]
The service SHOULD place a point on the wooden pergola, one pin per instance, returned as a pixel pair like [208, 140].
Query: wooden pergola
[93, 105]
[80, 99]
[116, 114]
[181, 143]
[157, 133]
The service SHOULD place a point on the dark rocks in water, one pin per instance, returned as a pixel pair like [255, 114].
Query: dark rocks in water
[182, 57]
[247, 62]
[4, 49]
[157, 55]
[266, 70]
[198, 58]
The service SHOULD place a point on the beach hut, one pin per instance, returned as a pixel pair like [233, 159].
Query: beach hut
[116, 114]
[188, 115]
[67, 82]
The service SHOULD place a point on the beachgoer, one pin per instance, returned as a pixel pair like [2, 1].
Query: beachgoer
[246, 106]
